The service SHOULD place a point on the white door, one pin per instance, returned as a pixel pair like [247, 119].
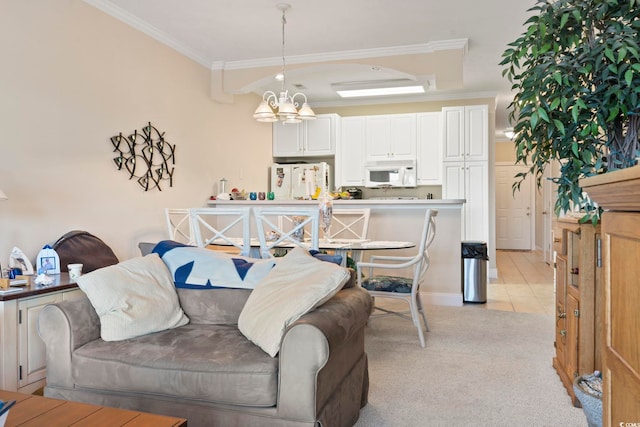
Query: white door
[287, 139]
[477, 206]
[453, 133]
[320, 136]
[402, 131]
[378, 134]
[476, 132]
[350, 152]
[31, 349]
[429, 148]
[514, 210]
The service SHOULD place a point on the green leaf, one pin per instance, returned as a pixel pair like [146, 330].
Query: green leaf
[563, 20]
[628, 77]
[543, 115]
[574, 148]
[609, 54]
[559, 125]
[534, 120]
[622, 53]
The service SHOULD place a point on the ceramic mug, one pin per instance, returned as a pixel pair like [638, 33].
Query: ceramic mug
[75, 271]
[261, 195]
[271, 195]
[253, 195]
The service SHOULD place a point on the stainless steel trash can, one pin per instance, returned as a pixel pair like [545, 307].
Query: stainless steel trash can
[474, 272]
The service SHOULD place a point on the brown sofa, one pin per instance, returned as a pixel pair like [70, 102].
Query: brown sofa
[208, 372]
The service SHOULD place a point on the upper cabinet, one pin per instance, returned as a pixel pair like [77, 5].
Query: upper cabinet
[307, 139]
[350, 152]
[429, 148]
[466, 133]
[391, 136]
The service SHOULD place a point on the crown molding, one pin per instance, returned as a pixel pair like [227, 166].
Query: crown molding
[347, 55]
[144, 27]
[111, 9]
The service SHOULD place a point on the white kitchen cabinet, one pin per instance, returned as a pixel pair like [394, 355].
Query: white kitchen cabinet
[466, 133]
[311, 138]
[350, 152]
[469, 181]
[466, 167]
[429, 148]
[391, 136]
[23, 355]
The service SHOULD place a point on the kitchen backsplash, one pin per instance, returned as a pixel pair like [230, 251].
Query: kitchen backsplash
[419, 192]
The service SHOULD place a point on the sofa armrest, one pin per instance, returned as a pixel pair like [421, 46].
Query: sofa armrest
[329, 339]
[64, 327]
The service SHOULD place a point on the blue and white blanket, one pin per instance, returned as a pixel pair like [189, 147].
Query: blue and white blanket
[199, 268]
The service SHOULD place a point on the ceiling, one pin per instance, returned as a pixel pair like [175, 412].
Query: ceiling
[228, 34]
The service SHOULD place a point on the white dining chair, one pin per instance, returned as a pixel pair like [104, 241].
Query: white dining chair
[274, 232]
[350, 223]
[345, 224]
[398, 287]
[180, 226]
[229, 226]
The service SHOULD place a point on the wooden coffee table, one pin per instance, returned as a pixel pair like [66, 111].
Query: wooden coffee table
[31, 410]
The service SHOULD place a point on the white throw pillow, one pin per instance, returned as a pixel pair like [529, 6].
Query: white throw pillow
[133, 298]
[296, 285]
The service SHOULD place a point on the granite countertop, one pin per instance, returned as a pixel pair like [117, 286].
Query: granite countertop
[347, 202]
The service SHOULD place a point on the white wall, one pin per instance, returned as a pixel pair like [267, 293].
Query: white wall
[72, 77]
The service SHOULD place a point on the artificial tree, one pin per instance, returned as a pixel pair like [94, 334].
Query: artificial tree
[576, 76]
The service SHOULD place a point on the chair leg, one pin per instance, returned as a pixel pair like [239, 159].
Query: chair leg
[421, 310]
[416, 320]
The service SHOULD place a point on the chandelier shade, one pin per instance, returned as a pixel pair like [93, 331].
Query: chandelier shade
[283, 107]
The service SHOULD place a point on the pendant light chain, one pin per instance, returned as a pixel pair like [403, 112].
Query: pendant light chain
[284, 107]
[284, 21]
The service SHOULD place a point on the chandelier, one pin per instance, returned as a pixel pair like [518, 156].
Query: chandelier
[284, 107]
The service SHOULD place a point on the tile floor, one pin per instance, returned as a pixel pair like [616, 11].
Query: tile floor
[524, 283]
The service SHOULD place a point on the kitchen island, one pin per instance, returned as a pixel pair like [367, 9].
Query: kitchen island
[403, 220]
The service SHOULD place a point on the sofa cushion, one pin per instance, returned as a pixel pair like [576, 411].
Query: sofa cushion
[205, 269]
[132, 298]
[296, 285]
[215, 306]
[210, 363]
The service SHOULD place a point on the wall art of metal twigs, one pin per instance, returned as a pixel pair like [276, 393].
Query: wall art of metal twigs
[146, 156]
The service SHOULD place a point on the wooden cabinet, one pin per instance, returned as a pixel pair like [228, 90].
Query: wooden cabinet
[622, 322]
[578, 296]
[350, 152]
[391, 136]
[466, 133]
[617, 193]
[23, 358]
[429, 148]
[311, 138]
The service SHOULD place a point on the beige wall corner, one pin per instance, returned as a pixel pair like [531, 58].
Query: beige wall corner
[217, 88]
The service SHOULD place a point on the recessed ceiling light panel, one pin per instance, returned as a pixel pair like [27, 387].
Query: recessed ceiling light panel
[380, 91]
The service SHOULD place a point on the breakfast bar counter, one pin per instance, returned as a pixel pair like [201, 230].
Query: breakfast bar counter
[403, 219]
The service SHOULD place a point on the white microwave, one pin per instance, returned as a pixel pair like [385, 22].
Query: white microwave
[390, 173]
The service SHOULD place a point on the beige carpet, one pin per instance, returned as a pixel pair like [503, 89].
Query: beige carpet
[480, 368]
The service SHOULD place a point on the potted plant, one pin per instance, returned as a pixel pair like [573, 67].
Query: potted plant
[576, 76]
